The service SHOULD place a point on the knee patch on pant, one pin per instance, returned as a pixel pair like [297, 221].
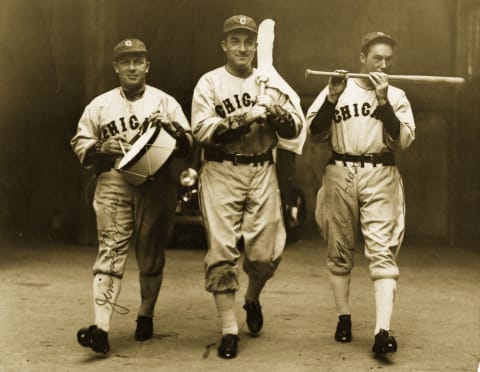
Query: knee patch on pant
[261, 270]
[222, 278]
[338, 265]
[338, 270]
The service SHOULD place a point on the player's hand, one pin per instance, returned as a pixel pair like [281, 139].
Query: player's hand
[231, 128]
[379, 81]
[256, 114]
[174, 129]
[162, 120]
[264, 100]
[159, 118]
[116, 145]
[336, 86]
[282, 121]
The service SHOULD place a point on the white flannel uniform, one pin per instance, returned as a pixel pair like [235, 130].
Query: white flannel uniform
[371, 197]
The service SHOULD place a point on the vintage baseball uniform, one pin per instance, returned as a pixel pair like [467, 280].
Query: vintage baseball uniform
[138, 216]
[362, 193]
[238, 199]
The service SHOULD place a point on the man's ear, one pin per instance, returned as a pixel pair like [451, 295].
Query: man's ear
[115, 66]
[362, 58]
[224, 45]
[148, 66]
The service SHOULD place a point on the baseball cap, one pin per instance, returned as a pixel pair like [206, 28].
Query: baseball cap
[129, 46]
[237, 22]
[376, 36]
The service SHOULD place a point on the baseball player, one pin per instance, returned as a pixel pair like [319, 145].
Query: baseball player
[239, 195]
[365, 122]
[142, 216]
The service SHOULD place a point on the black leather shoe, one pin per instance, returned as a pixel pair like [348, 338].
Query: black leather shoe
[384, 342]
[344, 329]
[228, 346]
[144, 329]
[95, 338]
[254, 316]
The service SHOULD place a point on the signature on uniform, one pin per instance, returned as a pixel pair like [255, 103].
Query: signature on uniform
[109, 240]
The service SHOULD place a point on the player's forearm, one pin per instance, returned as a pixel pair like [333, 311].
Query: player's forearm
[323, 119]
[284, 124]
[230, 129]
[298, 122]
[390, 121]
[184, 146]
[83, 147]
[91, 154]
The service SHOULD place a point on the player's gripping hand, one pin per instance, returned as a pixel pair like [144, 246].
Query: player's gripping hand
[116, 145]
[184, 140]
[336, 86]
[171, 127]
[160, 119]
[380, 82]
[258, 112]
[281, 120]
[231, 128]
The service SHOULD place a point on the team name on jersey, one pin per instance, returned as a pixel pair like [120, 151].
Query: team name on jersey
[122, 125]
[354, 110]
[230, 105]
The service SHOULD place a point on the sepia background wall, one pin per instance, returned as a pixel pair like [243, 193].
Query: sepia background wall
[56, 56]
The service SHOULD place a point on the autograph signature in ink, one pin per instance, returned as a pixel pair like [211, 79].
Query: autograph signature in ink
[109, 240]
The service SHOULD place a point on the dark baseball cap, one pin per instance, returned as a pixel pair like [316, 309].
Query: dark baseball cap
[240, 22]
[129, 46]
[376, 36]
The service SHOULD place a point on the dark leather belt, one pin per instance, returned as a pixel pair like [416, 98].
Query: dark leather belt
[385, 158]
[220, 156]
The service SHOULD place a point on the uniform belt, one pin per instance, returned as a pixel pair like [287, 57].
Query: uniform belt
[235, 158]
[385, 158]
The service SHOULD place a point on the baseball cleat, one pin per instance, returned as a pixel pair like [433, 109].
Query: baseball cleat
[228, 346]
[254, 316]
[95, 338]
[344, 329]
[384, 342]
[144, 329]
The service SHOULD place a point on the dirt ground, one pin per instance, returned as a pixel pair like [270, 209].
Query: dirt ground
[45, 291]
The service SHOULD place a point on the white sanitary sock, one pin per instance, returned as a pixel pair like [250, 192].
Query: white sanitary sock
[384, 299]
[106, 289]
[226, 311]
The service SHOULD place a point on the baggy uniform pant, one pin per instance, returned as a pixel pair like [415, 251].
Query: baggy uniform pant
[371, 198]
[240, 200]
[140, 217]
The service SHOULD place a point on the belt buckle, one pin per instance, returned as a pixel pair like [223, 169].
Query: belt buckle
[235, 158]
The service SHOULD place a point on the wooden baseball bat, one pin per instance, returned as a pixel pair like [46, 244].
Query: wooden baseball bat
[418, 78]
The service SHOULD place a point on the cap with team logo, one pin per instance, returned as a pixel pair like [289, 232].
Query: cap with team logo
[129, 46]
[239, 22]
[376, 37]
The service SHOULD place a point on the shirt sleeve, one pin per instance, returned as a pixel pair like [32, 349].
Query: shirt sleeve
[87, 134]
[284, 101]
[175, 113]
[312, 112]
[403, 112]
[204, 117]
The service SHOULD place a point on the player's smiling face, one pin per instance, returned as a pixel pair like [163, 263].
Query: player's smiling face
[239, 47]
[378, 58]
[132, 69]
